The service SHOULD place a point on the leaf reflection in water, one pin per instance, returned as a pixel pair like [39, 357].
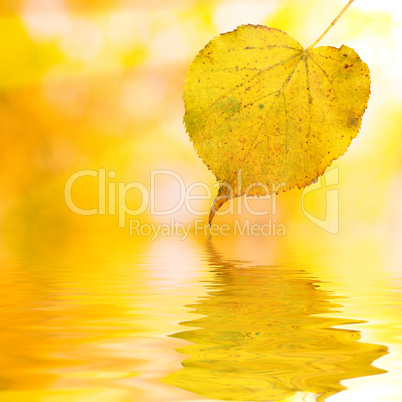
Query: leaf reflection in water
[262, 337]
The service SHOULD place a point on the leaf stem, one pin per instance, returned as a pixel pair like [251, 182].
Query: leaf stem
[331, 25]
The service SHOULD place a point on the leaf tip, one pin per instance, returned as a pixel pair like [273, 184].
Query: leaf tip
[222, 197]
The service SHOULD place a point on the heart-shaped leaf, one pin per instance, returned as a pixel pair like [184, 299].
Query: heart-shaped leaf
[265, 115]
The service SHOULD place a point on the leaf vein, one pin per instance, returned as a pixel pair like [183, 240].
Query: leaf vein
[326, 75]
[268, 112]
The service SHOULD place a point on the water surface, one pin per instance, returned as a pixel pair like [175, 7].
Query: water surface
[199, 320]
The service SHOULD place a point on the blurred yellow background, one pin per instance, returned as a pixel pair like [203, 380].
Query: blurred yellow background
[95, 84]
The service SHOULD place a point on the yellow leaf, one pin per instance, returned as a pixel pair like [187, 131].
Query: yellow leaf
[265, 115]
